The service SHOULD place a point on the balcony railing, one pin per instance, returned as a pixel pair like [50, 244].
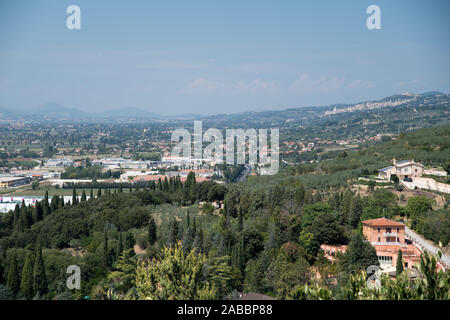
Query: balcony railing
[376, 243]
[390, 234]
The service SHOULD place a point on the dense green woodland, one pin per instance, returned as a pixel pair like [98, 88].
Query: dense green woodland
[169, 241]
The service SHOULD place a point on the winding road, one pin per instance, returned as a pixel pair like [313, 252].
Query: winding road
[426, 245]
[245, 173]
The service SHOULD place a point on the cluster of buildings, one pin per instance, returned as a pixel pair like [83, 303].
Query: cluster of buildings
[410, 174]
[167, 167]
[59, 162]
[8, 203]
[165, 162]
[402, 169]
[24, 177]
[371, 105]
[11, 181]
[200, 175]
[387, 237]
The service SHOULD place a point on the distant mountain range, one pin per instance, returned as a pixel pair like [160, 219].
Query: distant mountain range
[54, 111]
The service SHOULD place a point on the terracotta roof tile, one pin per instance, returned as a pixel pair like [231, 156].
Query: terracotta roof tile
[383, 222]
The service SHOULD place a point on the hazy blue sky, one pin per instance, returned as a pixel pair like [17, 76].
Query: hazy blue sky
[220, 56]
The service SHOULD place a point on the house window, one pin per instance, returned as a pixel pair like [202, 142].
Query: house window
[406, 264]
[379, 240]
[378, 230]
[398, 239]
[398, 229]
[388, 230]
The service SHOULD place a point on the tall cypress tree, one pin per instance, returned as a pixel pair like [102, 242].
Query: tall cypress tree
[399, 267]
[13, 281]
[54, 203]
[40, 284]
[2, 271]
[16, 216]
[46, 205]
[91, 195]
[160, 188]
[37, 212]
[106, 256]
[151, 231]
[74, 197]
[119, 246]
[99, 192]
[173, 232]
[83, 196]
[166, 184]
[240, 219]
[26, 284]
[24, 215]
[46, 198]
[188, 220]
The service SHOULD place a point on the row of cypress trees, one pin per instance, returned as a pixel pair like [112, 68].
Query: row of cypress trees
[32, 280]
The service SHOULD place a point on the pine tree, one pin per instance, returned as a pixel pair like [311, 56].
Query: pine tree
[13, 281]
[26, 284]
[99, 192]
[399, 267]
[176, 276]
[40, 284]
[126, 270]
[359, 254]
[151, 231]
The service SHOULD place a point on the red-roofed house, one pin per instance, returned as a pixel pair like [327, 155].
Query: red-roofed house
[387, 237]
[384, 231]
